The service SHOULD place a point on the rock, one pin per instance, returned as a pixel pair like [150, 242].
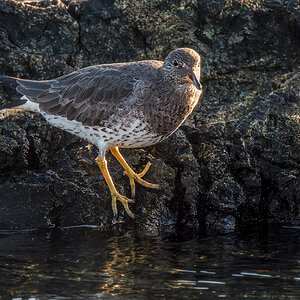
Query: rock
[234, 163]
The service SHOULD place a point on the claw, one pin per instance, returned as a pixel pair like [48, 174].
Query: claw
[132, 186]
[138, 178]
[132, 178]
[145, 170]
[124, 200]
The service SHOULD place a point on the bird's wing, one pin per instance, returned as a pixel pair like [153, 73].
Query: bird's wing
[89, 95]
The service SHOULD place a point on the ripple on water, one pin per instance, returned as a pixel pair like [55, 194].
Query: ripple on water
[81, 263]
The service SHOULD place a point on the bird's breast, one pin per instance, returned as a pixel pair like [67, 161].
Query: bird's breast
[193, 99]
[165, 114]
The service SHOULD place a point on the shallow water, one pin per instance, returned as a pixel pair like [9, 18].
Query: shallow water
[81, 263]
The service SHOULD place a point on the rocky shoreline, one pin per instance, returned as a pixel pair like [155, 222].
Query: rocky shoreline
[234, 163]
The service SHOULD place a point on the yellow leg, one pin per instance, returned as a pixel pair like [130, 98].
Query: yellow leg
[102, 163]
[131, 174]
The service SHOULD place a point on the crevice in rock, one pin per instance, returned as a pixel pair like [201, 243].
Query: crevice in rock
[270, 193]
[55, 213]
[141, 36]
[78, 44]
[177, 203]
[32, 157]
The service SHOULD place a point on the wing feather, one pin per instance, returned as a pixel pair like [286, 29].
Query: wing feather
[87, 95]
[47, 97]
[90, 95]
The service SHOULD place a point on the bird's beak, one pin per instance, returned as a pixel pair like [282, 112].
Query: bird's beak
[193, 79]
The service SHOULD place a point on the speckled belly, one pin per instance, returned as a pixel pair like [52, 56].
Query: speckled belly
[121, 134]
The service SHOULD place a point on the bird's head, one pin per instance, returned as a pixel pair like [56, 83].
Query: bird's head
[183, 66]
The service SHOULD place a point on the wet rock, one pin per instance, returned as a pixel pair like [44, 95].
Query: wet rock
[177, 152]
[236, 161]
[36, 41]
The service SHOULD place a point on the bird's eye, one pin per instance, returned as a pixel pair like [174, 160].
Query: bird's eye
[175, 63]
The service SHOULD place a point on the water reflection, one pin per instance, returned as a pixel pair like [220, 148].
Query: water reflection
[81, 263]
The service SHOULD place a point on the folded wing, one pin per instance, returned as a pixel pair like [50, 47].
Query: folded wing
[89, 95]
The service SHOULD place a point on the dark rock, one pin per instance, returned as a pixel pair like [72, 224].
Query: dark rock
[236, 161]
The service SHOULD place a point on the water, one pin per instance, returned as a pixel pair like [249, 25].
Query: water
[81, 263]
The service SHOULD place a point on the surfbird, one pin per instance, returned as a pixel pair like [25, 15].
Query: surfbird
[120, 105]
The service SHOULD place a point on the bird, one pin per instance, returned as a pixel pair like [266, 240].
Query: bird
[117, 105]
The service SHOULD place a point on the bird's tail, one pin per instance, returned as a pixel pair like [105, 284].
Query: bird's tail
[11, 82]
[29, 89]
